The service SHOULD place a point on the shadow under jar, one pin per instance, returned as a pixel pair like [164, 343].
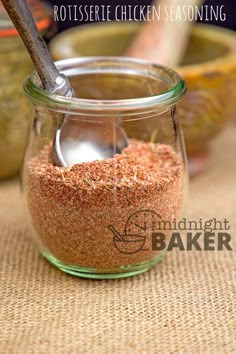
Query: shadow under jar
[97, 219]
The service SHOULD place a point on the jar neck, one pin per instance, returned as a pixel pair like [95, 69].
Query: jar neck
[110, 86]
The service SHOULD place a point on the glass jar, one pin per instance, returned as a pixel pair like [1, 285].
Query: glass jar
[98, 217]
[15, 64]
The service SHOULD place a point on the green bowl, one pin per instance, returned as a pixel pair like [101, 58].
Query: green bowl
[209, 67]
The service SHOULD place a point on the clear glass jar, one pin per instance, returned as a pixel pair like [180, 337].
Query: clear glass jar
[15, 64]
[96, 219]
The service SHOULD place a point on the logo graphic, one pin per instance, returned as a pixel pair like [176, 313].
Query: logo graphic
[137, 232]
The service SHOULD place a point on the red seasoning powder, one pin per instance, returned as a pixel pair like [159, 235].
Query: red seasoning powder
[71, 208]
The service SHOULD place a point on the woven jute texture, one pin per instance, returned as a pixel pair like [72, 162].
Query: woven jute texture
[186, 304]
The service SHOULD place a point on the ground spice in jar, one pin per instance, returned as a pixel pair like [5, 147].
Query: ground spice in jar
[72, 208]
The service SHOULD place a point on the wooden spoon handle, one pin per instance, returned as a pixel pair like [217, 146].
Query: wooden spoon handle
[161, 40]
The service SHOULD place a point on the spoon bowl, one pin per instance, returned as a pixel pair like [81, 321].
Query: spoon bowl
[79, 141]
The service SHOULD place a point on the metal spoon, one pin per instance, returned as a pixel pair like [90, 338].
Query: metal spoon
[84, 141]
[74, 141]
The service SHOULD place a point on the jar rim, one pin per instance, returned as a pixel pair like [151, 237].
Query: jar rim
[168, 97]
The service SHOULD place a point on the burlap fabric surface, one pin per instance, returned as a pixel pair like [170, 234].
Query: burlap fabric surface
[186, 304]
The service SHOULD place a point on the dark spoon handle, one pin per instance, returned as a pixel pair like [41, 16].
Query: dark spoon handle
[23, 20]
